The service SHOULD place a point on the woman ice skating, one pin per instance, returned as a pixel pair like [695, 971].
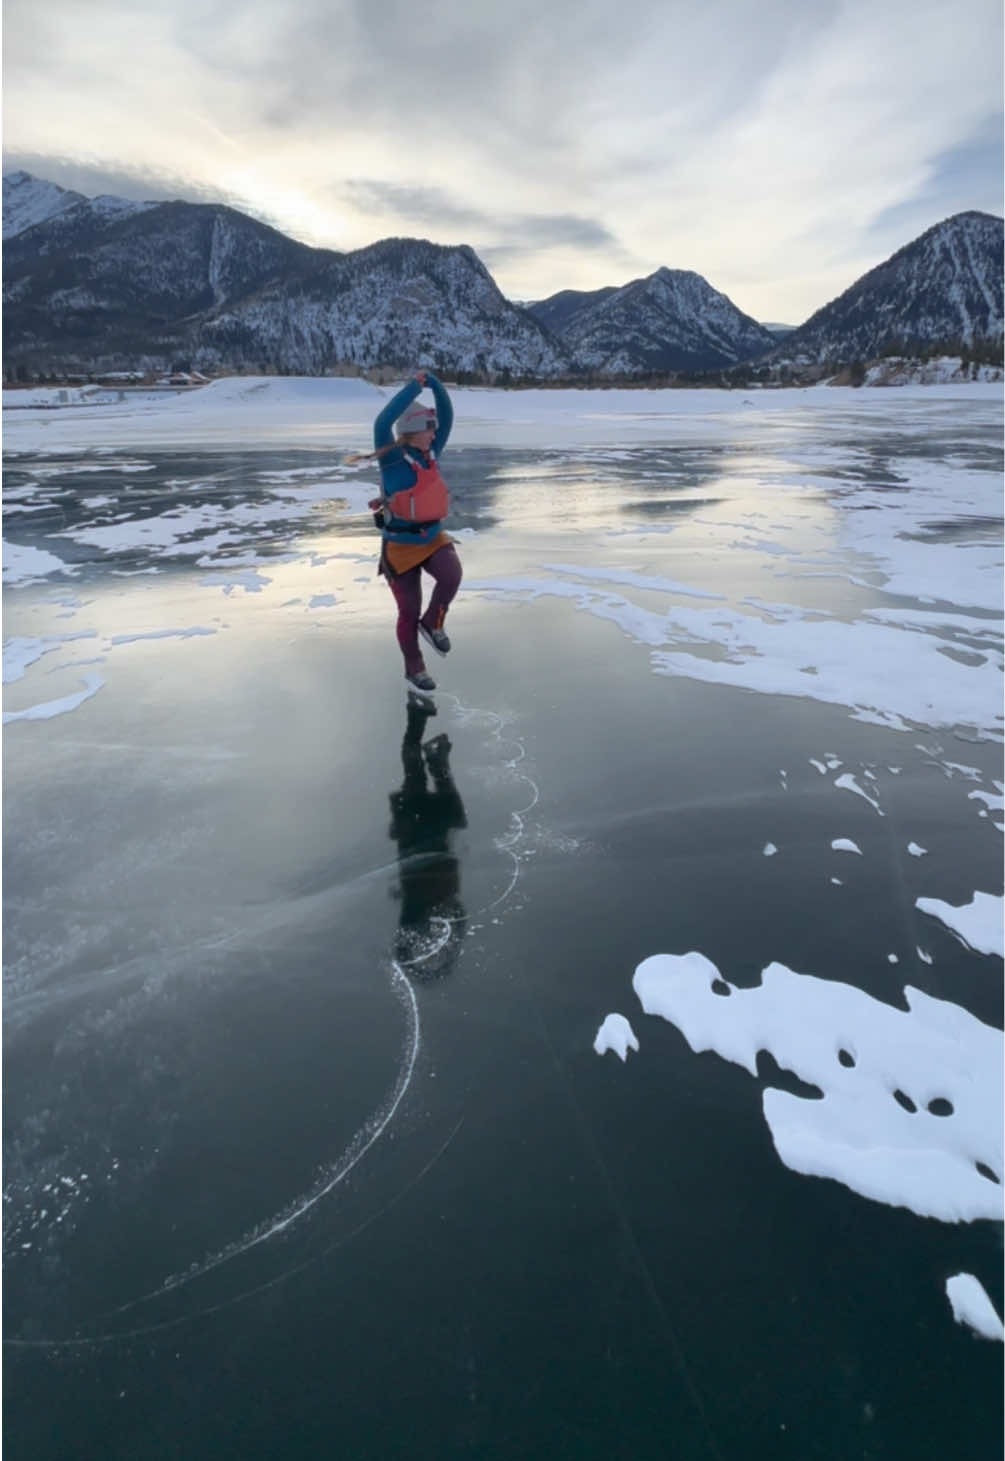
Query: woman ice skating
[413, 506]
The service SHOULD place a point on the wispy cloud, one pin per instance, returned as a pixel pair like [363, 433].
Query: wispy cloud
[430, 206]
[418, 204]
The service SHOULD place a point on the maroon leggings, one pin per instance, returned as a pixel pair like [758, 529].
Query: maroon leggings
[445, 568]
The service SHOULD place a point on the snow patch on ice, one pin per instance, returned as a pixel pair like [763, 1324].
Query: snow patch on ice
[971, 1306]
[251, 581]
[51, 708]
[978, 923]
[194, 633]
[22, 564]
[883, 675]
[22, 651]
[847, 782]
[845, 844]
[860, 1053]
[615, 1034]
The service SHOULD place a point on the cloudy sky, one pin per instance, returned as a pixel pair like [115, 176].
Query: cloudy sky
[779, 147]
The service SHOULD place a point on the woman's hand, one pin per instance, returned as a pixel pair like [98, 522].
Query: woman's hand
[420, 376]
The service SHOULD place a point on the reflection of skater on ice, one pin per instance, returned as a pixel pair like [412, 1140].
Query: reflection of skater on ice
[422, 820]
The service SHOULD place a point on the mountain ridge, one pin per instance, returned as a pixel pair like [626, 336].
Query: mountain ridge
[108, 284]
[672, 319]
[146, 286]
[931, 289]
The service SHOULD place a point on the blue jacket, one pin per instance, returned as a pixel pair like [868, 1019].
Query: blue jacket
[396, 473]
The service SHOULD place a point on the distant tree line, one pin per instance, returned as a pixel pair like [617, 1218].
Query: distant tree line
[756, 373]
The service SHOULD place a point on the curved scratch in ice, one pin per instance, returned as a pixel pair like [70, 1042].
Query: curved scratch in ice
[354, 1153]
[93, 1340]
[350, 1158]
[518, 828]
[358, 1147]
[432, 951]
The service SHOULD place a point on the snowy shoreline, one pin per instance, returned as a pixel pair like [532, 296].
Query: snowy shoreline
[305, 411]
[894, 374]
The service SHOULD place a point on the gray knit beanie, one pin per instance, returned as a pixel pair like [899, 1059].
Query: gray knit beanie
[416, 417]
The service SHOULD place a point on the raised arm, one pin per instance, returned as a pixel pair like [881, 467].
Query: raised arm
[444, 412]
[383, 434]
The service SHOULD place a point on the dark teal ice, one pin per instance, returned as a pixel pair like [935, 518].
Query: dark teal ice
[307, 1149]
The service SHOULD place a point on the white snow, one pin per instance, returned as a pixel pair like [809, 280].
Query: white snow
[50, 708]
[883, 674]
[857, 1133]
[847, 782]
[225, 411]
[942, 370]
[29, 200]
[971, 1306]
[341, 411]
[615, 1034]
[845, 844]
[249, 579]
[916, 851]
[195, 632]
[977, 923]
[202, 531]
[769, 849]
[29, 565]
[21, 651]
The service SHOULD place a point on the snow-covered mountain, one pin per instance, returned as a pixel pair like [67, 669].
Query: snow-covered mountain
[107, 285]
[559, 310]
[396, 302]
[672, 320]
[944, 289]
[28, 200]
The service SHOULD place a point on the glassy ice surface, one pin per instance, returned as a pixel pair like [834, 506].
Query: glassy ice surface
[317, 1139]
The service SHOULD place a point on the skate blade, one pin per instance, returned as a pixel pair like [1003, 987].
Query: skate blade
[421, 700]
[432, 642]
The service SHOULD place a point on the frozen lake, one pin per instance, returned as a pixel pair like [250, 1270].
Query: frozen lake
[317, 1139]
